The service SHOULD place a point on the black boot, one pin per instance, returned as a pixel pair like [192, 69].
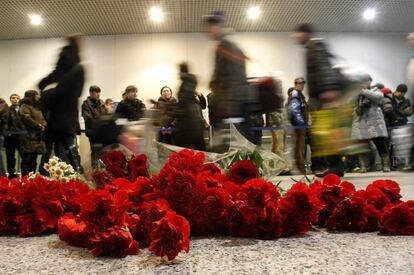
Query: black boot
[75, 159]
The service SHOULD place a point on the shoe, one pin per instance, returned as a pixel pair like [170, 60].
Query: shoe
[337, 171]
[386, 164]
[356, 170]
[363, 167]
[321, 173]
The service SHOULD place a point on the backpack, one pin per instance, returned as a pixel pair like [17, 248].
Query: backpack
[269, 94]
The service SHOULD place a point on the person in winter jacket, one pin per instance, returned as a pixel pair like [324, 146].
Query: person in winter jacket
[31, 144]
[130, 107]
[324, 87]
[230, 90]
[165, 104]
[402, 105]
[298, 116]
[4, 112]
[12, 141]
[387, 106]
[371, 123]
[93, 108]
[62, 104]
[189, 122]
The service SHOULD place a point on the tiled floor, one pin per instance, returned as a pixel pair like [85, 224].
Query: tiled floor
[318, 252]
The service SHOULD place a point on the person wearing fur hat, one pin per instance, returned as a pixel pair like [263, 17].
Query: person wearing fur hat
[32, 144]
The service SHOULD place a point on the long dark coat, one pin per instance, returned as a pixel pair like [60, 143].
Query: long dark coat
[61, 103]
[229, 83]
[189, 122]
[32, 117]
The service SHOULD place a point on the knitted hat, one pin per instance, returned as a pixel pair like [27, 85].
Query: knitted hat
[402, 88]
[386, 91]
[216, 17]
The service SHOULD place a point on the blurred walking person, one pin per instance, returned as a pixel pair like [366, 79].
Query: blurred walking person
[62, 102]
[324, 91]
[230, 89]
[31, 144]
[410, 81]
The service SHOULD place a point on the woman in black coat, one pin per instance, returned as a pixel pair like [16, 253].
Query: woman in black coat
[164, 104]
[189, 122]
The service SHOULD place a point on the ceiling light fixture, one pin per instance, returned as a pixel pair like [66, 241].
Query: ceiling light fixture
[156, 14]
[36, 19]
[369, 14]
[253, 13]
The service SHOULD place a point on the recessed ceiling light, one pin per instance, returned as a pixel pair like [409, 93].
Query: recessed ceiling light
[369, 14]
[253, 13]
[35, 19]
[156, 14]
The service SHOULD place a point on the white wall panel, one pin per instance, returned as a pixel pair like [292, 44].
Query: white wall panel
[149, 61]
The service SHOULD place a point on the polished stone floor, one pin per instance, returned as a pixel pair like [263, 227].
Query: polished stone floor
[318, 252]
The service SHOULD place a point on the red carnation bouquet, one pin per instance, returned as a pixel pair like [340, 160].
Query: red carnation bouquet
[131, 209]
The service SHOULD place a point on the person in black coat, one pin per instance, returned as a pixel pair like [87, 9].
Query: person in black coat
[324, 87]
[12, 141]
[189, 122]
[62, 103]
[130, 107]
[164, 104]
[93, 109]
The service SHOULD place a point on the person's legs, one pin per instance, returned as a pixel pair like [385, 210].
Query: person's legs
[381, 145]
[300, 135]
[68, 143]
[12, 145]
[28, 163]
[95, 152]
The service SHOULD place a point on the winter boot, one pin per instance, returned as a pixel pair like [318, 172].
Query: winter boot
[362, 166]
[385, 163]
[74, 159]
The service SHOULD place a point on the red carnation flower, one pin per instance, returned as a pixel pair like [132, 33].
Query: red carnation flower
[71, 194]
[115, 241]
[170, 236]
[242, 171]
[148, 214]
[331, 192]
[210, 167]
[115, 162]
[73, 231]
[398, 219]
[101, 178]
[390, 188]
[253, 212]
[100, 208]
[185, 160]
[138, 167]
[208, 217]
[299, 209]
[355, 214]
